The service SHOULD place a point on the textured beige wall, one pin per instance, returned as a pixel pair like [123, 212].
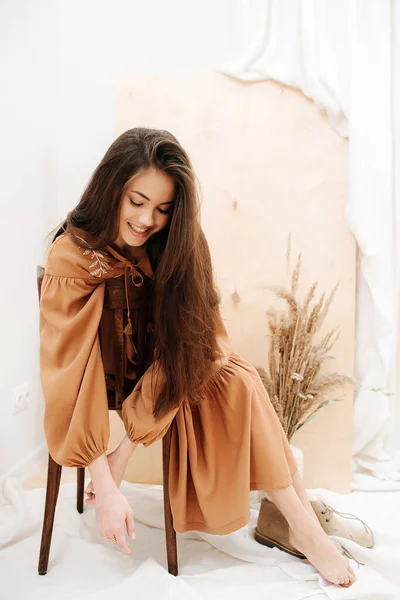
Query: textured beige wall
[269, 165]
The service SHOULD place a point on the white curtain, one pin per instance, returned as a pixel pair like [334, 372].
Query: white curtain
[345, 56]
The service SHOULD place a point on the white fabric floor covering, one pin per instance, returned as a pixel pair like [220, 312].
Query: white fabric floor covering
[83, 566]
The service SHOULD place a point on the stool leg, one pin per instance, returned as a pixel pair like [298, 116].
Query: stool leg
[170, 533]
[80, 488]
[53, 485]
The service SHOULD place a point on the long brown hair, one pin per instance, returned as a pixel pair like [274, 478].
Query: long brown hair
[185, 296]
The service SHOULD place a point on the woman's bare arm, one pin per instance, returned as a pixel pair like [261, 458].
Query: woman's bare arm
[113, 513]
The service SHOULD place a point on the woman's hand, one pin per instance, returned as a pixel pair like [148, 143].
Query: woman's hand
[113, 515]
[117, 461]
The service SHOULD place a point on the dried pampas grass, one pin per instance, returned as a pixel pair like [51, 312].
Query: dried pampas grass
[294, 382]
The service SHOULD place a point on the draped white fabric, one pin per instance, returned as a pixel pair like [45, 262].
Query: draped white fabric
[345, 56]
[83, 566]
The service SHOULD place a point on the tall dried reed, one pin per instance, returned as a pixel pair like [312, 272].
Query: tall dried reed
[294, 382]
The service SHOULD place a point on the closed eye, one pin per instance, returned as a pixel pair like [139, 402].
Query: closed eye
[163, 212]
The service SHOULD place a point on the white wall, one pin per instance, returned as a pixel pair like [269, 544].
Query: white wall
[27, 200]
[101, 41]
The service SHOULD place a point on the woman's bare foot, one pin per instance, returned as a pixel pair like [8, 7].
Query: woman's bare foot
[322, 553]
[307, 536]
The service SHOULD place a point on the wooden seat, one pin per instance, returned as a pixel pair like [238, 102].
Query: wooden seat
[115, 300]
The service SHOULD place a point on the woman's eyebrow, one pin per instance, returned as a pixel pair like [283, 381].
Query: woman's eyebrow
[148, 199]
[140, 194]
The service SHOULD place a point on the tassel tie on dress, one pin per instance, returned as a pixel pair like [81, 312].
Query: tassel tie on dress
[137, 280]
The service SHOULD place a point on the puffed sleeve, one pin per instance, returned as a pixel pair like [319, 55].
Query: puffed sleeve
[137, 410]
[76, 420]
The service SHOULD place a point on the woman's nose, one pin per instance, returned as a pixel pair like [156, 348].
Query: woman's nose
[146, 218]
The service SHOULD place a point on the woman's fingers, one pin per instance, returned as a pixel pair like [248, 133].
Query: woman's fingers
[113, 514]
[130, 525]
[89, 492]
[121, 542]
[89, 488]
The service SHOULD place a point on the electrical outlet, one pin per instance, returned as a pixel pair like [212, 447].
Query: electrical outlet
[21, 398]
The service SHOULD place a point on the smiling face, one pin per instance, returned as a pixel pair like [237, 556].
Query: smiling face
[146, 207]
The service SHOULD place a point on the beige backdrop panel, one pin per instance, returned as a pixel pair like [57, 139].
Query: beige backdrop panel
[269, 165]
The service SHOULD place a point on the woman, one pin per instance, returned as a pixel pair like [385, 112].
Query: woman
[139, 218]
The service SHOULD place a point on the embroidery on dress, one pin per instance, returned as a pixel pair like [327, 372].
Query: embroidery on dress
[99, 262]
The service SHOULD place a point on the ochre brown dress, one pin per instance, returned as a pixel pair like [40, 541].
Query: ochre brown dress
[230, 443]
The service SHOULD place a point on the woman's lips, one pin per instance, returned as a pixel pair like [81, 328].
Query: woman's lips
[139, 234]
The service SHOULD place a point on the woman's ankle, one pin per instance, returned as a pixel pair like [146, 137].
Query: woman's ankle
[291, 507]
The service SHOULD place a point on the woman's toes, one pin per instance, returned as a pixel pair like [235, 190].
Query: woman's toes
[349, 580]
[352, 573]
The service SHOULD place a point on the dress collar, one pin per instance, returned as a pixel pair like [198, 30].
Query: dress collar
[143, 264]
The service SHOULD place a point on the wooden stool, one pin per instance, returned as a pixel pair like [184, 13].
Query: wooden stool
[140, 302]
